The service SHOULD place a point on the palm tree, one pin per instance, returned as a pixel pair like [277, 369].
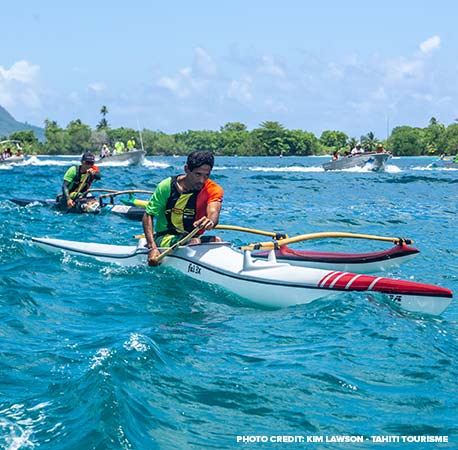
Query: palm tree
[103, 124]
[352, 142]
[369, 142]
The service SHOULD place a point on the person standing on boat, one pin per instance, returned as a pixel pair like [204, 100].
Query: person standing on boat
[181, 203]
[130, 144]
[119, 147]
[78, 180]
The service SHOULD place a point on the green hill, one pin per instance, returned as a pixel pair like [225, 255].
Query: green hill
[8, 125]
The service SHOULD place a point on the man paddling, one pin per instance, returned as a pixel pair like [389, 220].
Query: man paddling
[181, 203]
[77, 181]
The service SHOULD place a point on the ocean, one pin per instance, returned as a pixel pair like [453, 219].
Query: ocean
[95, 356]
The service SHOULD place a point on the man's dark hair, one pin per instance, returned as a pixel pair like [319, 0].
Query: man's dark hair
[198, 158]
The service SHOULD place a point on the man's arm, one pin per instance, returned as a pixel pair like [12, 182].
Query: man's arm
[211, 219]
[66, 194]
[148, 229]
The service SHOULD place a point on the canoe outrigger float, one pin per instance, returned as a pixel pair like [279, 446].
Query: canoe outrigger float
[266, 282]
[354, 262]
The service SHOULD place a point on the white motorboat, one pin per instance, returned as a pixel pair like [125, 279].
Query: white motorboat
[17, 157]
[264, 282]
[130, 158]
[372, 161]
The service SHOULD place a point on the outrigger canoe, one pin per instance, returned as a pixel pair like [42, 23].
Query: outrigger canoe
[264, 282]
[129, 212]
[128, 209]
[85, 205]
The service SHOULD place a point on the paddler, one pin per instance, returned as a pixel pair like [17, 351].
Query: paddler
[78, 180]
[181, 203]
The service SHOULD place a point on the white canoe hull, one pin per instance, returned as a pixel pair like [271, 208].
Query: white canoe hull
[267, 283]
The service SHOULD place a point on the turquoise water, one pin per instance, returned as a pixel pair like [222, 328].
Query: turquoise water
[101, 357]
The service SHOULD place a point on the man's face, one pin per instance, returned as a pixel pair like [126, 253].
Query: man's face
[197, 177]
[86, 165]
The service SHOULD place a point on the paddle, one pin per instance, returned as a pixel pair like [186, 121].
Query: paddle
[182, 241]
[76, 193]
[130, 191]
[101, 190]
[113, 194]
[272, 234]
[330, 234]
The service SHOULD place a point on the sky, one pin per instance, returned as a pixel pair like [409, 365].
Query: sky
[353, 66]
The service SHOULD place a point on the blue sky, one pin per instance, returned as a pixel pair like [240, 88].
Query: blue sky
[348, 65]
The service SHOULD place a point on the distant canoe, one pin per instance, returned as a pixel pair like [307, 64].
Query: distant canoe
[127, 211]
[132, 158]
[372, 161]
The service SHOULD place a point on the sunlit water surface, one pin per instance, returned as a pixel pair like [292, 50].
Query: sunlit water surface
[100, 357]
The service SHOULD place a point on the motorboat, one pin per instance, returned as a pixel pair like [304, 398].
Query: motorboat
[131, 158]
[17, 157]
[369, 160]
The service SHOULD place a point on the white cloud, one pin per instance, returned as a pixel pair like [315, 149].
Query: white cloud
[335, 71]
[203, 63]
[18, 85]
[268, 66]
[240, 90]
[97, 87]
[174, 85]
[190, 79]
[21, 71]
[431, 44]
[185, 72]
[168, 83]
[405, 70]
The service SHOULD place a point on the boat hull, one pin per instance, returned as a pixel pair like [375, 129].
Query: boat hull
[12, 160]
[372, 161]
[264, 282]
[132, 158]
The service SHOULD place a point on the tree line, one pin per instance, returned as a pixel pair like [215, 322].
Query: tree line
[269, 139]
